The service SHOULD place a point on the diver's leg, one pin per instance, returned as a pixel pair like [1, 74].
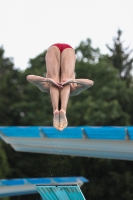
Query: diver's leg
[67, 70]
[53, 71]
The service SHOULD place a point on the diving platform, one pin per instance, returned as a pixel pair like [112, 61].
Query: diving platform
[24, 186]
[86, 141]
[62, 192]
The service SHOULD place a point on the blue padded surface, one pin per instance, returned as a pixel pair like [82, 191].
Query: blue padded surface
[46, 181]
[69, 132]
[107, 132]
[69, 179]
[60, 192]
[130, 131]
[112, 133]
[39, 180]
[21, 131]
[83, 179]
[12, 182]
[51, 132]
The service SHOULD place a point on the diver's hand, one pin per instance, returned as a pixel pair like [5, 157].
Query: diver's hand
[66, 81]
[52, 82]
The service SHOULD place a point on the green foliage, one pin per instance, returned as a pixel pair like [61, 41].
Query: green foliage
[9, 91]
[4, 166]
[101, 104]
[121, 58]
[35, 106]
[109, 179]
[5, 198]
[86, 53]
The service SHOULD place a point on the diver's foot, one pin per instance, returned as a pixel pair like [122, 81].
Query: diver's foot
[56, 121]
[63, 120]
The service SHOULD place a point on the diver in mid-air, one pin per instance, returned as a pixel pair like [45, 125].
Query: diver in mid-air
[60, 81]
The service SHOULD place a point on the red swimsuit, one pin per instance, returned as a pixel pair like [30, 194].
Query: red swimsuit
[62, 46]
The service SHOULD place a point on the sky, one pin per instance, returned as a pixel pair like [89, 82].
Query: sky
[28, 27]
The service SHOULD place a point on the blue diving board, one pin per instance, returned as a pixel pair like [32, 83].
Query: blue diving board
[37, 132]
[68, 133]
[89, 141]
[107, 132]
[46, 181]
[130, 132]
[20, 186]
[13, 131]
[12, 182]
[63, 192]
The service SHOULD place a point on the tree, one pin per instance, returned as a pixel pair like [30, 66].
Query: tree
[121, 58]
[86, 53]
[101, 104]
[9, 91]
[35, 106]
[4, 166]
